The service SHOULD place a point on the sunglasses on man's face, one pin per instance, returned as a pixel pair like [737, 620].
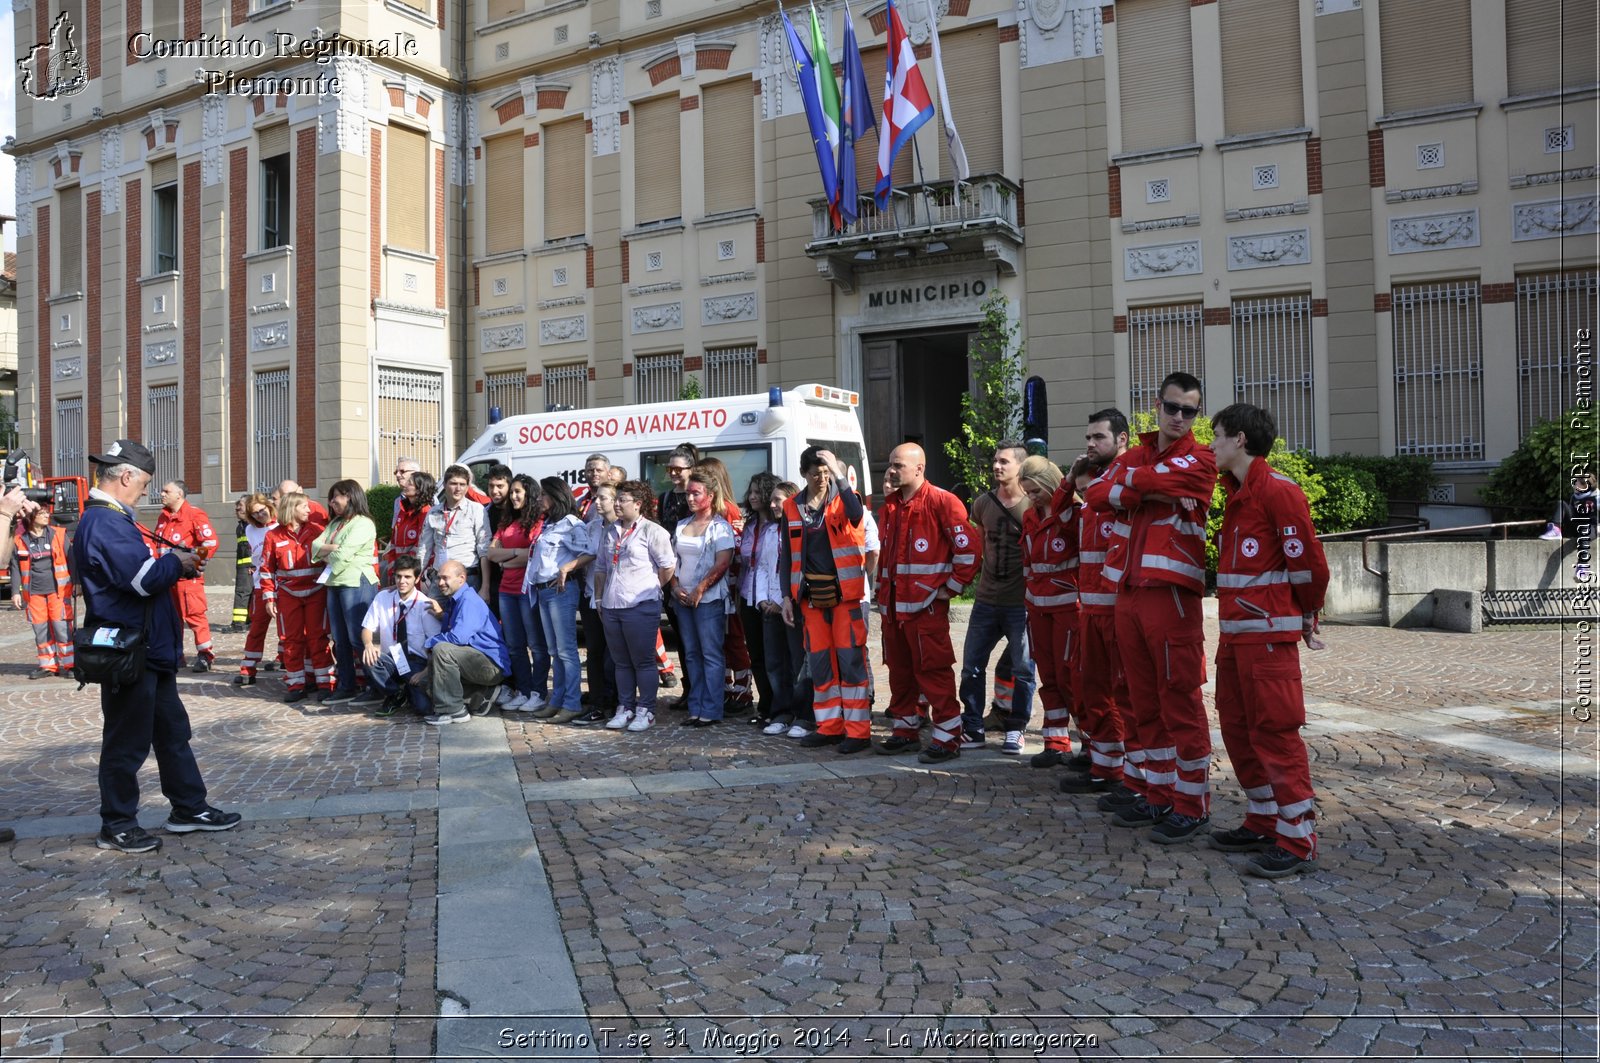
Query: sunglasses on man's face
[1173, 409]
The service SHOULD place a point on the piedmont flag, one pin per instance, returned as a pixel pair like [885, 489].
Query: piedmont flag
[905, 104]
[855, 120]
[828, 96]
[958, 154]
[804, 74]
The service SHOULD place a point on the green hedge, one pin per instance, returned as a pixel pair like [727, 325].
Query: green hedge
[380, 500]
[1539, 472]
[1406, 478]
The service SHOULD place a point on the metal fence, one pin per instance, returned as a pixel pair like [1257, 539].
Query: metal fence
[1162, 340]
[161, 414]
[411, 418]
[567, 385]
[658, 377]
[1551, 308]
[1438, 370]
[1272, 363]
[274, 420]
[731, 371]
[70, 440]
[508, 391]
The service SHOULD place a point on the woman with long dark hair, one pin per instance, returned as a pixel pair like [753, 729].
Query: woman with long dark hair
[349, 548]
[410, 514]
[551, 583]
[756, 564]
[704, 545]
[520, 524]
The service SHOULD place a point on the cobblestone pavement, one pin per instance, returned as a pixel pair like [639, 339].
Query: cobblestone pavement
[721, 894]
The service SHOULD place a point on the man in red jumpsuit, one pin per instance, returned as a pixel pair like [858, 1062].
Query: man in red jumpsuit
[929, 553]
[184, 524]
[1271, 578]
[1163, 487]
[1100, 691]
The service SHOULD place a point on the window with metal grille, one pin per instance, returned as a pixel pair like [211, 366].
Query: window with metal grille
[1438, 370]
[411, 418]
[161, 415]
[658, 377]
[1551, 308]
[731, 371]
[507, 392]
[1162, 340]
[566, 386]
[1272, 363]
[274, 419]
[69, 436]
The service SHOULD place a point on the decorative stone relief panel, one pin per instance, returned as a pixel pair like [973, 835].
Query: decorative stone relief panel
[270, 336]
[503, 338]
[24, 179]
[563, 330]
[779, 93]
[1433, 232]
[110, 161]
[1292, 248]
[1161, 260]
[1555, 217]
[342, 125]
[915, 16]
[68, 368]
[605, 105]
[160, 353]
[1053, 31]
[721, 309]
[663, 317]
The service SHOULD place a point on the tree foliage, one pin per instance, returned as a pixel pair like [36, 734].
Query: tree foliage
[380, 501]
[1537, 473]
[992, 409]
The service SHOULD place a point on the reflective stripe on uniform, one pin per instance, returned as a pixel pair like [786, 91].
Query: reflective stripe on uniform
[1270, 624]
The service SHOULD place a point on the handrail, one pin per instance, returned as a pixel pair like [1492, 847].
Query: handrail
[1420, 524]
[1504, 527]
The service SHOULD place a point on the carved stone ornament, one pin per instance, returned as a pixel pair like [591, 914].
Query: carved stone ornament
[659, 318]
[503, 338]
[720, 309]
[605, 105]
[1161, 260]
[1047, 14]
[1555, 217]
[267, 337]
[160, 353]
[1269, 249]
[110, 161]
[67, 368]
[24, 179]
[915, 15]
[563, 330]
[342, 125]
[268, 308]
[1433, 232]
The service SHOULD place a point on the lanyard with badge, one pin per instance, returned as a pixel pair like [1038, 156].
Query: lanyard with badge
[397, 645]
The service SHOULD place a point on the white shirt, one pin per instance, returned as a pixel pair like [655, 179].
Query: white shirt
[384, 614]
[460, 534]
[769, 582]
[697, 555]
[256, 536]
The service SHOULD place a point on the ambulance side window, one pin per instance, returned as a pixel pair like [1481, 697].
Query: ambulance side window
[742, 463]
[849, 453]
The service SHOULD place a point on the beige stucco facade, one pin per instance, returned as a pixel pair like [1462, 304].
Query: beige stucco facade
[375, 322]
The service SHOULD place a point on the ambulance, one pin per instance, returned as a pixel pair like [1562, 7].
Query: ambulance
[748, 433]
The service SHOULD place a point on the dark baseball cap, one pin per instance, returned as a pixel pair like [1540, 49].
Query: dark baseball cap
[127, 452]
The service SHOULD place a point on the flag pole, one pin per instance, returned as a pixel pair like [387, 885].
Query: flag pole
[922, 179]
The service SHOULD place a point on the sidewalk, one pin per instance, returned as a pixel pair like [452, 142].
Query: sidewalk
[510, 890]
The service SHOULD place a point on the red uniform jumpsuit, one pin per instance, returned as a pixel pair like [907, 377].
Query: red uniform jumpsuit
[1160, 566]
[289, 578]
[50, 614]
[1271, 579]
[190, 527]
[836, 638]
[405, 538]
[1102, 690]
[928, 546]
[1050, 590]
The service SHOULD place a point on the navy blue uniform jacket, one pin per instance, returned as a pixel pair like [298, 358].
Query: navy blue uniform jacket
[119, 577]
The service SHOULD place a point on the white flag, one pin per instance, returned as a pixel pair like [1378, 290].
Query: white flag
[958, 154]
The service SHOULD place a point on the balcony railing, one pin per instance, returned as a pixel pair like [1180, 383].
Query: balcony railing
[976, 216]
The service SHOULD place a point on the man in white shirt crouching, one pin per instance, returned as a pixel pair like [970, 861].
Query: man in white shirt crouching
[393, 634]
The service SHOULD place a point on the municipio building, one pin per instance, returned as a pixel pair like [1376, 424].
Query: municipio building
[300, 238]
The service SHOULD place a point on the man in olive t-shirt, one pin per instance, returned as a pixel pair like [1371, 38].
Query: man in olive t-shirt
[999, 611]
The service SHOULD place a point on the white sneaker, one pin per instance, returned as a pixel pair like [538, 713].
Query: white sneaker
[533, 702]
[1550, 532]
[776, 727]
[620, 720]
[797, 732]
[1013, 746]
[516, 703]
[641, 721]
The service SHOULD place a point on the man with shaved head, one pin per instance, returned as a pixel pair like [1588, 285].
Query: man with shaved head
[929, 553]
[468, 658]
[319, 512]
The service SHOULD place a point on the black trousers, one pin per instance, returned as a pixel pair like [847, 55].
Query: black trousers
[755, 641]
[137, 719]
[601, 669]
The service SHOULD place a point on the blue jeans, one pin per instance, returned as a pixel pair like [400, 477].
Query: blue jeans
[388, 679]
[558, 624]
[987, 626]
[347, 607]
[520, 624]
[702, 628]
